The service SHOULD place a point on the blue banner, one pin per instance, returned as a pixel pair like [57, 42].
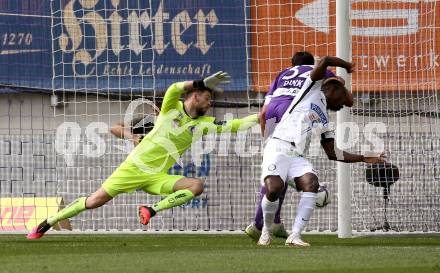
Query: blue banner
[25, 44]
[122, 46]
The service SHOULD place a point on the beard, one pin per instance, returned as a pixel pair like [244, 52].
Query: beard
[201, 111]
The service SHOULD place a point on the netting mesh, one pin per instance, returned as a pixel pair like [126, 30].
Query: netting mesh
[96, 46]
[404, 66]
[394, 49]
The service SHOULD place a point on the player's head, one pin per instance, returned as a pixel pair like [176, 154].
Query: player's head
[200, 100]
[303, 58]
[336, 94]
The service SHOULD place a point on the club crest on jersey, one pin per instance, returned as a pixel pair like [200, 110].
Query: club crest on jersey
[320, 113]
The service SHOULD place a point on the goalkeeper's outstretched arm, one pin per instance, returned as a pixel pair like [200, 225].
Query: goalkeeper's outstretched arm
[333, 153]
[240, 124]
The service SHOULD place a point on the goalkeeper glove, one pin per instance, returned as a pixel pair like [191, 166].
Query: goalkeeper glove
[215, 79]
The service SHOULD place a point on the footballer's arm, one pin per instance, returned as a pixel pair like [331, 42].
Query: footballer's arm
[333, 153]
[262, 119]
[120, 130]
[240, 124]
[318, 72]
[173, 94]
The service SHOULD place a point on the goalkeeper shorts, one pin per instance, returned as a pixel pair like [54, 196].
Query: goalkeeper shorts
[128, 178]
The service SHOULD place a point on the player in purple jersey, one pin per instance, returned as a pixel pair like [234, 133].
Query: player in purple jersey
[284, 158]
[273, 106]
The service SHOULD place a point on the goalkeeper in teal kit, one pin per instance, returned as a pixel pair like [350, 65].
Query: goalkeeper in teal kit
[178, 125]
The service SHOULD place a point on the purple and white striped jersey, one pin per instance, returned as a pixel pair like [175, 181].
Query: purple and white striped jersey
[284, 89]
[305, 117]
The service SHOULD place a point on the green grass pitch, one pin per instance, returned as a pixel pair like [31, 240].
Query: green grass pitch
[216, 253]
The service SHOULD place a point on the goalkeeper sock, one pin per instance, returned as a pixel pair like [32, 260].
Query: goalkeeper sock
[73, 209]
[175, 199]
[304, 212]
[269, 209]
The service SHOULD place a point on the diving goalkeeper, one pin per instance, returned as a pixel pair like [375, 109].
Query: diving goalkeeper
[178, 125]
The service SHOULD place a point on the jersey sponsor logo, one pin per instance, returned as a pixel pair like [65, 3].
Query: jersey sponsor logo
[298, 82]
[286, 92]
[320, 113]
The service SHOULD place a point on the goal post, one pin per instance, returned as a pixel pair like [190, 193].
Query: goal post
[394, 45]
[343, 50]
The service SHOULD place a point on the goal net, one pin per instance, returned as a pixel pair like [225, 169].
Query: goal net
[71, 69]
[396, 98]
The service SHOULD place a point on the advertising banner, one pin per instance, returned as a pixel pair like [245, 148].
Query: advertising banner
[25, 44]
[24, 213]
[395, 44]
[117, 46]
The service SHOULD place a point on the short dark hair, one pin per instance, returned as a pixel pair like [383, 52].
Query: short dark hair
[329, 85]
[195, 90]
[303, 58]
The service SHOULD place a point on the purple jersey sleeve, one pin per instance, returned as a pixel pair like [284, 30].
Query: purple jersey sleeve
[272, 87]
[328, 74]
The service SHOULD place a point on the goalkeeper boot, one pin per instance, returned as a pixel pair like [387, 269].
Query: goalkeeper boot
[253, 232]
[38, 231]
[278, 230]
[265, 238]
[294, 240]
[145, 214]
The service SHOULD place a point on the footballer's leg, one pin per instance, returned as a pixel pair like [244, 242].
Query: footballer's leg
[278, 228]
[258, 221]
[308, 184]
[259, 211]
[179, 189]
[274, 172]
[95, 200]
[269, 204]
[123, 179]
[253, 230]
[277, 219]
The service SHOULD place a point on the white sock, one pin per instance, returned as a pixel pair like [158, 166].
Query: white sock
[269, 210]
[304, 212]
